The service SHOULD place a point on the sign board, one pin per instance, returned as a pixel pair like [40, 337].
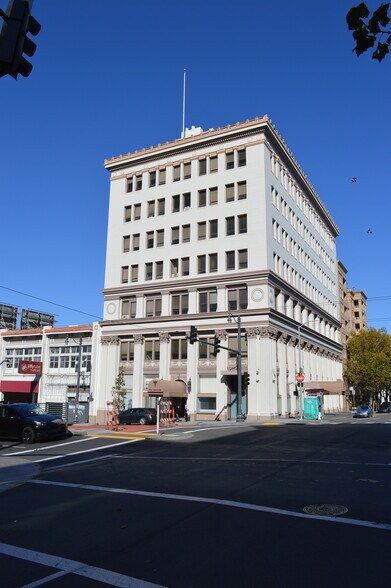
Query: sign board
[8, 316]
[300, 378]
[33, 368]
[32, 319]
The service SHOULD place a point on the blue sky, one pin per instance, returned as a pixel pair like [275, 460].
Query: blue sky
[107, 80]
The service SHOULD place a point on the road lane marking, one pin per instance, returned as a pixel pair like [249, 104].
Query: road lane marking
[45, 580]
[80, 462]
[206, 429]
[216, 502]
[71, 566]
[260, 459]
[84, 451]
[14, 454]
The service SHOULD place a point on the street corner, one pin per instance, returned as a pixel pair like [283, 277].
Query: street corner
[15, 471]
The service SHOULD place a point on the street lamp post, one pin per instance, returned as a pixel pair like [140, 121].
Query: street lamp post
[78, 377]
[300, 372]
[239, 416]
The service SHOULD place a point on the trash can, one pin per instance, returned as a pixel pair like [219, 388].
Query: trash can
[312, 408]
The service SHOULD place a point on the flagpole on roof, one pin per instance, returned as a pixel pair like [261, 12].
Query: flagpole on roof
[184, 103]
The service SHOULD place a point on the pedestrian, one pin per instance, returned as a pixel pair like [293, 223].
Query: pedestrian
[186, 410]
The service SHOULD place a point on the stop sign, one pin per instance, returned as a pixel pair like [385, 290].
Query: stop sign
[300, 378]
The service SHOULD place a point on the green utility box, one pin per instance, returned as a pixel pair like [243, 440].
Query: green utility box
[313, 408]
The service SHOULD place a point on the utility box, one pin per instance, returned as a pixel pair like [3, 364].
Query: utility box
[313, 408]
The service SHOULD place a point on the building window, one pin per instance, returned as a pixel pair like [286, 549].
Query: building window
[212, 196]
[148, 271]
[187, 170]
[230, 225]
[151, 209]
[174, 268]
[176, 173]
[213, 229]
[237, 298]
[53, 362]
[126, 243]
[207, 301]
[185, 233]
[205, 348]
[242, 190]
[202, 167]
[129, 184]
[185, 261]
[139, 182]
[186, 200]
[174, 235]
[150, 240]
[207, 404]
[158, 270]
[136, 242]
[242, 258]
[180, 303]
[242, 223]
[160, 206]
[134, 275]
[152, 179]
[128, 308]
[212, 262]
[229, 160]
[213, 164]
[127, 213]
[201, 198]
[241, 157]
[233, 344]
[230, 260]
[229, 192]
[153, 306]
[201, 231]
[137, 211]
[127, 351]
[160, 238]
[162, 176]
[175, 203]
[151, 350]
[201, 264]
[124, 274]
[178, 348]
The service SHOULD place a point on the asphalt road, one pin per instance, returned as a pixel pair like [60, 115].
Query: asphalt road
[204, 507]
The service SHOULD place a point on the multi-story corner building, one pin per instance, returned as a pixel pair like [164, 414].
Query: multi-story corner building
[353, 308]
[56, 380]
[219, 224]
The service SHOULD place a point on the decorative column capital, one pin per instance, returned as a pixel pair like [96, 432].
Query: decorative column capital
[110, 340]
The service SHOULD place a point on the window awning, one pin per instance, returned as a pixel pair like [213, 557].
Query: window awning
[19, 386]
[167, 388]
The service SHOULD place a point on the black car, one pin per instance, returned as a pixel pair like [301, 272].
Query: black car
[28, 423]
[385, 407]
[142, 416]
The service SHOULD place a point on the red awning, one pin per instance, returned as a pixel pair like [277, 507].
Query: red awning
[20, 386]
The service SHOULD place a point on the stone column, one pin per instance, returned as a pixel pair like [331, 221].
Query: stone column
[138, 373]
[283, 373]
[164, 362]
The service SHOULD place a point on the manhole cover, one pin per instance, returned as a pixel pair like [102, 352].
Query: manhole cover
[325, 510]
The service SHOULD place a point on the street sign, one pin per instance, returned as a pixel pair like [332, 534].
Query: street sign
[300, 378]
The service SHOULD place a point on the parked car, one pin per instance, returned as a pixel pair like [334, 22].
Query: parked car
[142, 416]
[385, 407]
[363, 411]
[28, 423]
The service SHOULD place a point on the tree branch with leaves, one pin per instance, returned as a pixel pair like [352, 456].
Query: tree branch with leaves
[118, 391]
[369, 31]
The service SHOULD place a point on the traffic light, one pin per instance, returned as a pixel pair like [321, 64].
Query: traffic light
[193, 335]
[216, 346]
[18, 23]
[295, 391]
[246, 380]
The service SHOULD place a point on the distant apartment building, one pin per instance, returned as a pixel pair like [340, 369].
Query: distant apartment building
[353, 308]
[208, 230]
[42, 366]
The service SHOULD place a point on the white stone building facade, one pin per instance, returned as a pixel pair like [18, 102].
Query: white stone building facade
[218, 223]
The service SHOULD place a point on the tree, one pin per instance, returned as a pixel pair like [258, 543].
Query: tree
[369, 31]
[118, 391]
[368, 367]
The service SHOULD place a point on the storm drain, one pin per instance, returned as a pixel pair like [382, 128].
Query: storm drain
[325, 510]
